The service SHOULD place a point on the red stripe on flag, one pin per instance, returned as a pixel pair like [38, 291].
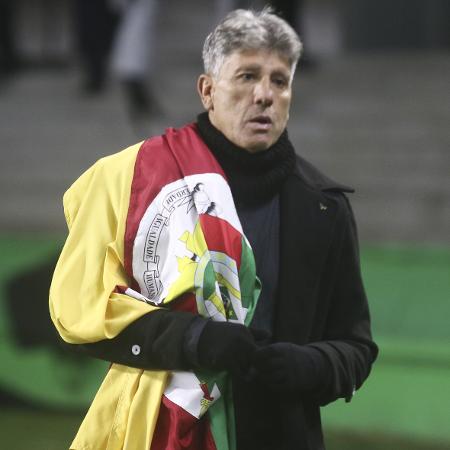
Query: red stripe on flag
[190, 151]
[120, 289]
[176, 429]
[186, 303]
[153, 169]
[222, 237]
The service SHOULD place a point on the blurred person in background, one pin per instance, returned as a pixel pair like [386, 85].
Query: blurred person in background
[293, 12]
[116, 37]
[8, 53]
[169, 244]
[95, 25]
[133, 57]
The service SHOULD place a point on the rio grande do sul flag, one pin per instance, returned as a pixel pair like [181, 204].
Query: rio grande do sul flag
[185, 249]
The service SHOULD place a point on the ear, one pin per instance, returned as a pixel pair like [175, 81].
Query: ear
[205, 88]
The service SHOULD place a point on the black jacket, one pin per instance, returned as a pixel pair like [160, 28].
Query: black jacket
[321, 304]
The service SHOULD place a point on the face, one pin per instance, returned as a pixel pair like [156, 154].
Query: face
[249, 100]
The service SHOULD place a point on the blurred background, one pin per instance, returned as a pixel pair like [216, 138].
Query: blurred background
[82, 79]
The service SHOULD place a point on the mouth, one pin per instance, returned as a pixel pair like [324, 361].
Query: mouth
[261, 122]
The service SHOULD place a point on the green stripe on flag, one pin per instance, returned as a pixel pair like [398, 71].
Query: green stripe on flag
[250, 289]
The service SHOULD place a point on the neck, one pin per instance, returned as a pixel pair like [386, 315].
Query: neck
[253, 177]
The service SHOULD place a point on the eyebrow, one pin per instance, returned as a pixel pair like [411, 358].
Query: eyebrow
[253, 67]
[257, 67]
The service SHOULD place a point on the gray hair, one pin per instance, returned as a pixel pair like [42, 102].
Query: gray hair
[244, 30]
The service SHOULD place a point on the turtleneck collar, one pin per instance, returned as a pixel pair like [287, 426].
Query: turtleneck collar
[253, 177]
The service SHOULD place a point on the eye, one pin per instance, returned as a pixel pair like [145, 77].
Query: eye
[247, 76]
[281, 82]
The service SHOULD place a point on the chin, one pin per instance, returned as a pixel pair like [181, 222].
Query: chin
[254, 143]
[258, 145]
[257, 149]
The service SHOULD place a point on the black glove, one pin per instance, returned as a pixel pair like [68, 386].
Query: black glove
[226, 346]
[261, 337]
[286, 367]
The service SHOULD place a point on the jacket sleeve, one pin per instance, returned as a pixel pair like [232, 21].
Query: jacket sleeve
[347, 351]
[155, 341]
[90, 313]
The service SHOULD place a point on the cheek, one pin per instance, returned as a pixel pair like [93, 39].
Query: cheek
[228, 102]
[235, 101]
[285, 103]
[235, 111]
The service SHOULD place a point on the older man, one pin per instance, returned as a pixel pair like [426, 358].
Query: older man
[170, 242]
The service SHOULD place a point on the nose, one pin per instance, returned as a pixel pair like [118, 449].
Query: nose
[263, 93]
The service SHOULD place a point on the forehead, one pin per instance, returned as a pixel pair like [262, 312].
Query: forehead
[265, 60]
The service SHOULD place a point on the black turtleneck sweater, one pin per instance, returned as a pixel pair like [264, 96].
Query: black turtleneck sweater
[255, 180]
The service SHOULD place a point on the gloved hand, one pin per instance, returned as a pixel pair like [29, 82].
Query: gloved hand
[261, 337]
[286, 367]
[226, 346]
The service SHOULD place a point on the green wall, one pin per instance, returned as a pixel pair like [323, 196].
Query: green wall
[407, 395]
[408, 392]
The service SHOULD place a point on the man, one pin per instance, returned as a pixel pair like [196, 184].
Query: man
[169, 244]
